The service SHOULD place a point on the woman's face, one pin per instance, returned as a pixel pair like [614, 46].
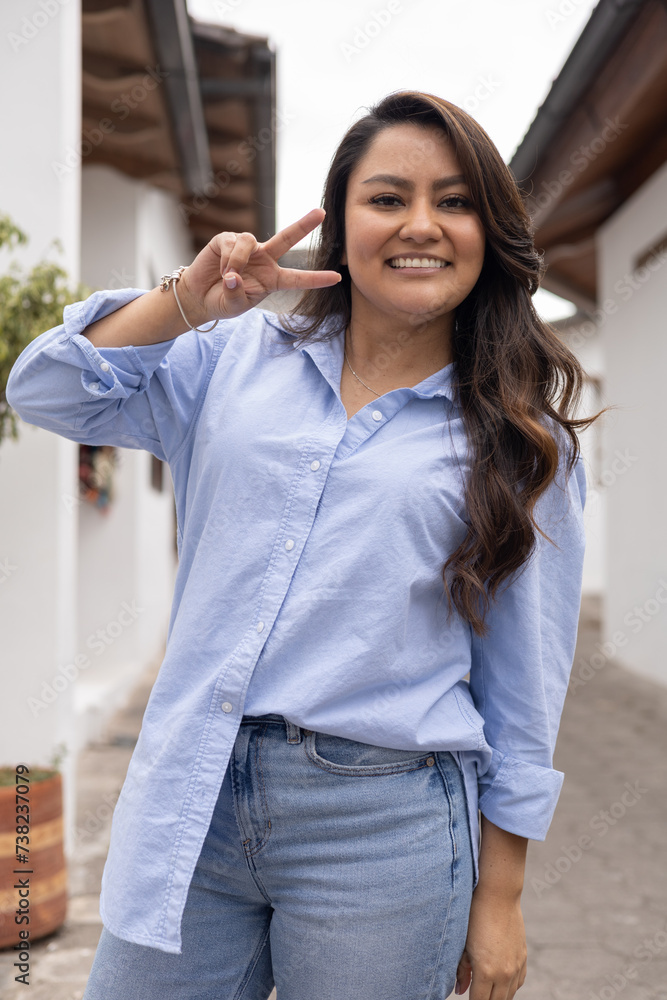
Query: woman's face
[414, 244]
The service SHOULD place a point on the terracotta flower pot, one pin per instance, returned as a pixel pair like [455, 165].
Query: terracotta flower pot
[46, 887]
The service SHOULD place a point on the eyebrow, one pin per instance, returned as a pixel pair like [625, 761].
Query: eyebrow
[403, 183]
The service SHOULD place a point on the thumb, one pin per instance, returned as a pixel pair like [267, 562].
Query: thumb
[463, 974]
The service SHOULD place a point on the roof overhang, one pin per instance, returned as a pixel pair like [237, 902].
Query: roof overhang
[174, 48]
[599, 135]
[180, 105]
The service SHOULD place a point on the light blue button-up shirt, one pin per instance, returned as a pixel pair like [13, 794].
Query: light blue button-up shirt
[309, 582]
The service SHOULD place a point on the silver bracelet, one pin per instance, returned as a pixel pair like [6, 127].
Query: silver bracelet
[171, 279]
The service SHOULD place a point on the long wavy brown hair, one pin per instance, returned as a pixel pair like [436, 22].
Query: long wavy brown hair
[516, 382]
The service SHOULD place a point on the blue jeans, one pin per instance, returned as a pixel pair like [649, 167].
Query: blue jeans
[333, 869]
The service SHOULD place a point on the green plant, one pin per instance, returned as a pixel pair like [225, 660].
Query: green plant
[35, 774]
[30, 303]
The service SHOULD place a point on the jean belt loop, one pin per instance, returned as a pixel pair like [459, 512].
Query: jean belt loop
[293, 732]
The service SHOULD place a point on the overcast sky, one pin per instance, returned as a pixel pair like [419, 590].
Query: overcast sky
[495, 58]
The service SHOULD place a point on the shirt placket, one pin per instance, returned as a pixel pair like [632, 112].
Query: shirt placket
[297, 520]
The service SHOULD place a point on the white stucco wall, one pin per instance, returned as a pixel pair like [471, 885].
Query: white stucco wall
[635, 304]
[131, 234]
[583, 337]
[40, 83]
[40, 72]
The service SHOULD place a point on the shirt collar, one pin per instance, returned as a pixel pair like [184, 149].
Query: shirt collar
[328, 356]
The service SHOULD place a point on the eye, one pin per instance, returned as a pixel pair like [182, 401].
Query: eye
[385, 199]
[456, 201]
[449, 201]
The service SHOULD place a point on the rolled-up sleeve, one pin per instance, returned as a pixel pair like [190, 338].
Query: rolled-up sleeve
[134, 397]
[520, 670]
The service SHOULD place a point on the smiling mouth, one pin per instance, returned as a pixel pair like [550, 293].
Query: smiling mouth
[417, 262]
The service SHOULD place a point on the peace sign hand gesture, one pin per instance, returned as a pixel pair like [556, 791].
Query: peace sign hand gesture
[234, 272]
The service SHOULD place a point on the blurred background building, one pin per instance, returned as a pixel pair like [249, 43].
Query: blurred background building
[143, 133]
[593, 164]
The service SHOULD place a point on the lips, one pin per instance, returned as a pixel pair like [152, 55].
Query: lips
[417, 262]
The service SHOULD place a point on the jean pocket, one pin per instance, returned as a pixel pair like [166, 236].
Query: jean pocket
[342, 756]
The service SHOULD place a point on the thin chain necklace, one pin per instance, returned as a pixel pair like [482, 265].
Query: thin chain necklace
[378, 394]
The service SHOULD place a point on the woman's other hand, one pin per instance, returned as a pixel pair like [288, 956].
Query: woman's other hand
[495, 951]
[495, 954]
[234, 272]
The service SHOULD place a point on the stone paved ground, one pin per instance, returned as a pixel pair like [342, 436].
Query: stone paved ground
[595, 899]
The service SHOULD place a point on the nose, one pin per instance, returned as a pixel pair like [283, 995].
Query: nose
[421, 223]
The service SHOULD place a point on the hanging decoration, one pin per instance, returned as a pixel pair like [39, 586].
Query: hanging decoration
[96, 470]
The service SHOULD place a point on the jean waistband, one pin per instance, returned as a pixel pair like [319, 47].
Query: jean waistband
[294, 732]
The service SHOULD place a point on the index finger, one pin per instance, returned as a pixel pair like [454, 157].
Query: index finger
[286, 238]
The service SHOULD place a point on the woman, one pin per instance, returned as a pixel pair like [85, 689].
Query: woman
[379, 504]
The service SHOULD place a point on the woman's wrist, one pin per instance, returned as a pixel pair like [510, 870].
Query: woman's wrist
[191, 304]
[502, 864]
[502, 895]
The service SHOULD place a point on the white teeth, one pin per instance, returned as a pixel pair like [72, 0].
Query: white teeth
[417, 262]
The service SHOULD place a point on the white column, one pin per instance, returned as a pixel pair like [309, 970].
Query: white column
[40, 167]
[40, 59]
[131, 234]
[584, 339]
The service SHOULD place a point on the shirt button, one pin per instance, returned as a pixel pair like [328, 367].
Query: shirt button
[260, 626]
[315, 465]
[93, 385]
[289, 544]
[104, 366]
[376, 415]
[226, 706]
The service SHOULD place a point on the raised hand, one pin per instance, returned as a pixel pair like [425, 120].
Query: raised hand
[234, 272]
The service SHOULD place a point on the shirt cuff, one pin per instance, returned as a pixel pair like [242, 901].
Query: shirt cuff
[519, 797]
[111, 371]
